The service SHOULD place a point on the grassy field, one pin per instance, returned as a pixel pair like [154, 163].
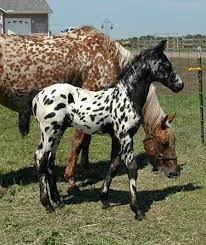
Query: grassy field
[175, 209]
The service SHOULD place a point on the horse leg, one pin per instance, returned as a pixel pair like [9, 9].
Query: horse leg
[70, 168]
[24, 119]
[45, 161]
[115, 163]
[53, 138]
[52, 182]
[85, 151]
[128, 157]
[41, 159]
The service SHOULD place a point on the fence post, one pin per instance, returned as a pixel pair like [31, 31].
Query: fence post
[199, 60]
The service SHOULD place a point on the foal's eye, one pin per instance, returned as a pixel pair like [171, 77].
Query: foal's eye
[166, 65]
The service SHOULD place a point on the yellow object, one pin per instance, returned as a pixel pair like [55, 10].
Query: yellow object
[195, 69]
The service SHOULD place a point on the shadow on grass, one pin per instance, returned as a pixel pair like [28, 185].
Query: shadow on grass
[99, 170]
[117, 198]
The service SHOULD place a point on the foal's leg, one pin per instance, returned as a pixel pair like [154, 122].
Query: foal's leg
[127, 156]
[41, 158]
[53, 138]
[115, 162]
[52, 182]
[45, 160]
[80, 139]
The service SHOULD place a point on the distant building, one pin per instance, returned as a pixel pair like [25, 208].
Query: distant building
[24, 17]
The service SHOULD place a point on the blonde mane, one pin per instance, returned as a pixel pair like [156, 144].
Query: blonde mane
[152, 112]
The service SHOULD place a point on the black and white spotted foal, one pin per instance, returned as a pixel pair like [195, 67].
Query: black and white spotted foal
[116, 111]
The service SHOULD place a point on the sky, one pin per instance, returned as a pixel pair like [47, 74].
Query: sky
[130, 18]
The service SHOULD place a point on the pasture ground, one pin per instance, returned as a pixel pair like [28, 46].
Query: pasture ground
[175, 209]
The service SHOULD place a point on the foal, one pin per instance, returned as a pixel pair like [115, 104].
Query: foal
[116, 111]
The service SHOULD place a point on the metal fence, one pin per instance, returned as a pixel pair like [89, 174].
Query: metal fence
[188, 105]
[175, 42]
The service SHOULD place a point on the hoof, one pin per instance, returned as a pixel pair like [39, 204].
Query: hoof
[75, 191]
[50, 209]
[139, 215]
[105, 204]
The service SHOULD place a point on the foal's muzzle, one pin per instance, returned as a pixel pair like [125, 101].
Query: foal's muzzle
[177, 87]
[176, 83]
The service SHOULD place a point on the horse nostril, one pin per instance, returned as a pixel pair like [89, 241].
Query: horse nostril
[179, 85]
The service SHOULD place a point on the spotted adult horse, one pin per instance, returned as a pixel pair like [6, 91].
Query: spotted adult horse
[84, 57]
[116, 110]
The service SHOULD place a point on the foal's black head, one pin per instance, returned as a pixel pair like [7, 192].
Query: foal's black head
[161, 68]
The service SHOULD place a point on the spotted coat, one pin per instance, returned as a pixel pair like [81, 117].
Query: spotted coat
[116, 110]
[30, 63]
[63, 105]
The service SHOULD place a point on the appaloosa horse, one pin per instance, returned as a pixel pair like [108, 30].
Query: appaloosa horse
[116, 111]
[84, 57]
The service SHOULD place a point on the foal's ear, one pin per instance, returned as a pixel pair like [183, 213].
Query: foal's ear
[160, 47]
[168, 118]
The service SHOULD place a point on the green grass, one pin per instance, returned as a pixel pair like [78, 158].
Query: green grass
[175, 209]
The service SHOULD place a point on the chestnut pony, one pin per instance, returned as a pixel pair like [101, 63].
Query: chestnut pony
[83, 57]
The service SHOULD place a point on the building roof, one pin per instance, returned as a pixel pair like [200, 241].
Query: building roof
[25, 6]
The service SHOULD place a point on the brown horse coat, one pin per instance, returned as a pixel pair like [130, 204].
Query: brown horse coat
[84, 57]
[28, 64]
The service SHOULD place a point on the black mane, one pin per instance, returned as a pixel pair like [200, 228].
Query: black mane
[160, 46]
[128, 66]
[134, 60]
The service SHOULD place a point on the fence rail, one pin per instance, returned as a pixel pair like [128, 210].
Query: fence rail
[173, 43]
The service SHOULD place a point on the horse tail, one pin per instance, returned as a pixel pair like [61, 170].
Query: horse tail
[24, 120]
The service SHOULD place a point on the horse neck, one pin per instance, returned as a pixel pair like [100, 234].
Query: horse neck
[152, 112]
[137, 82]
